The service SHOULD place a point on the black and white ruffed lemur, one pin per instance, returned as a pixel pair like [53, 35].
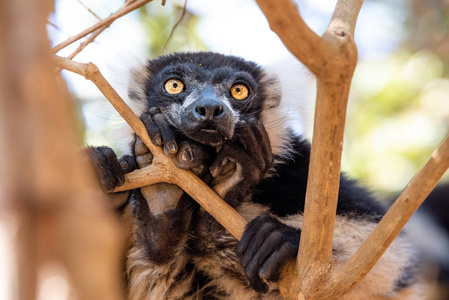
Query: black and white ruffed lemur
[221, 117]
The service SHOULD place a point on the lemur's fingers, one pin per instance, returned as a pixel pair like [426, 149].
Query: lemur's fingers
[264, 143]
[144, 157]
[144, 160]
[153, 130]
[251, 144]
[251, 258]
[140, 148]
[167, 135]
[270, 270]
[107, 167]
[266, 245]
[234, 153]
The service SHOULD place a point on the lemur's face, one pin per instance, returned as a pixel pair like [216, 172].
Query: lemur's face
[204, 95]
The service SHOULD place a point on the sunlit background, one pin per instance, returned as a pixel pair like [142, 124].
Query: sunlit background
[399, 105]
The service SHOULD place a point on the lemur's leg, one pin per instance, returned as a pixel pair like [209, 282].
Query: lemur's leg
[158, 264]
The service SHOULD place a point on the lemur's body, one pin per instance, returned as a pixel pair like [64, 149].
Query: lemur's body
[221, 116]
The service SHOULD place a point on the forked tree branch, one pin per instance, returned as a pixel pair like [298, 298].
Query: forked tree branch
[332, 58]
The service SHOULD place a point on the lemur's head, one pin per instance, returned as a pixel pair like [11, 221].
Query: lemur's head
[204, 95]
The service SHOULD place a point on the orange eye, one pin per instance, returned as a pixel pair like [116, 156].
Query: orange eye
[174, 86]
[239, 91]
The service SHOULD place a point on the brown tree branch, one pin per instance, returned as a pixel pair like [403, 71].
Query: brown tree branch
[125, 9]
[332, 59]
[89, 10]
[83, 45]
[162, 169]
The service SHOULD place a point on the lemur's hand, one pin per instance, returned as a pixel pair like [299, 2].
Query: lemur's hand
[111, 171]
[160, 131]
[266, 245]
[242, 162]
[189, 156]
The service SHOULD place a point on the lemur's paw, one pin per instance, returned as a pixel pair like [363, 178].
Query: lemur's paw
[160, 131]
[110, 170]
[244, 160]
[193, 156]
[266, 245]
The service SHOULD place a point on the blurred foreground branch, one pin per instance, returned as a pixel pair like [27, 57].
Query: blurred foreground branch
[45, 183]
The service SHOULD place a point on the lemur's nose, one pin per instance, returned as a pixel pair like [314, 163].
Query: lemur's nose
[208, 106]
[209, 110]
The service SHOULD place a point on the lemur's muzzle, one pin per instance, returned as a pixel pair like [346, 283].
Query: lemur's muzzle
[208, 108]
[208, 120]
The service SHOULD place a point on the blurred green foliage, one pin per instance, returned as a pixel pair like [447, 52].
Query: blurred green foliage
[159, 21]
[398, 114]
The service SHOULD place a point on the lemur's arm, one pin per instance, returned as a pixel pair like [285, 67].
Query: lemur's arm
[157, 216]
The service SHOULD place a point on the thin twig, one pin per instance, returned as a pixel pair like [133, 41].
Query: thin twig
[53, 25]
[89, 10]
[124, 9]
[83, 45]
[183, 13]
